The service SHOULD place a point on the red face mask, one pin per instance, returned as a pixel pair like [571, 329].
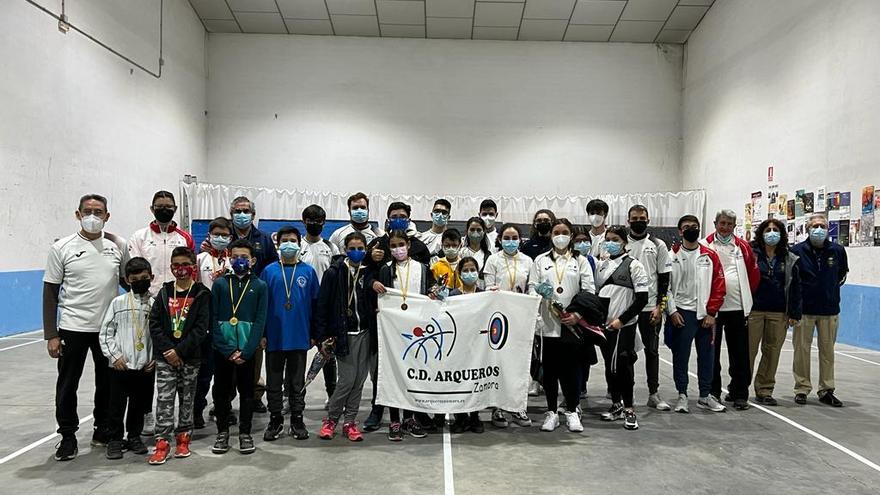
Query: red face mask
[184, 272]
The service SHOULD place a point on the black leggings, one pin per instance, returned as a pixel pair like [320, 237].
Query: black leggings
[561, 364]
[395, 414]
[621, 377]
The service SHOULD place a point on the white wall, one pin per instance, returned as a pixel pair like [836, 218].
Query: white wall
[442, 116]
[75, 120]
[793, 83]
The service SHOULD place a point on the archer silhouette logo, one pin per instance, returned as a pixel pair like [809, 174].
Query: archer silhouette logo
[496, 331]
[434, 340]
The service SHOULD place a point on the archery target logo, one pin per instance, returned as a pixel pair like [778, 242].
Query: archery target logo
[435, 339]
[496, 331]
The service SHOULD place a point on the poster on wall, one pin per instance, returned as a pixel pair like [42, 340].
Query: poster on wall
[819, 204]
[868, 200]
[855, 233]
[773, 200]
[789, 230]
[798, 209]
[834, 230]
[876, 236]
[809, 202]
[758, 214]
[845, 205]
[877, 207]
[800, 233]
[843, 233]
[789, 209]
[866, 229]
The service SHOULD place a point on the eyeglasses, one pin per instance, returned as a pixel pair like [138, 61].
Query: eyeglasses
[440, 212]
[246, 211]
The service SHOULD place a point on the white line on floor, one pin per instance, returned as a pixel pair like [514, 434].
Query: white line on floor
[804, 429]
[20, 345]
[38, 443]
[20, 335]
[448, 480]
[842, 353]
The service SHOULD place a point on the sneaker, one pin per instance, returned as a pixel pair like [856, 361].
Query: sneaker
[499, 420]
[522, 419]
[573, 420]
[414, 429]
[182, 448]
[711, 403]
[328, 429]
[136, 446]
[829, 399]
[461, 425]
[221, 444]
[149, 425]
[533, 389]
[629, 420]
[66, 449]
[99, 439]
[114, 450]
[160, 453]
[298, 429]
[259, 407]
[246, 444]
[800, 399]
[198, 420]
[476, 425]
[682, 405]
[657, 402]
[352, 433]
[374, 420]
[274, 429]
[614, 413]
[551, 421]
[741, 404]
[766, 400]
[395, 432]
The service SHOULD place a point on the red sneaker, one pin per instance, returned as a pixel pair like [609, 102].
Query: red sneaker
[183, 440]
[351, 431]
[160, 454]
[328, 429]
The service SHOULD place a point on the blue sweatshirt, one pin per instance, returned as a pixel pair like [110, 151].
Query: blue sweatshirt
[822, 272]
[290, 329]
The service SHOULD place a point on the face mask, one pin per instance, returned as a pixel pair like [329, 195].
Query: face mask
[475, 235]
[163, 215]
[583, 247]
[510, 246]
[597, 220]
[439, 219]
[691, 235]
[140, 287]
[399, 253]
[489, 220]
[360, 215]
[314, 229]
[469, 278]
[356, 255]
[613, 247]
[242, 220]
[184, 272]
[288, 250]
[450, 253]
[398, 224]
[219, 242]
[561, 241]
[543, 227]
[241, 266]
[818, 236]
[92, 224]
[638, 227]
[772, 238]
[724, 239]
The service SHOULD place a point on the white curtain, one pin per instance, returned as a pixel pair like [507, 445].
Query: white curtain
[207, 201]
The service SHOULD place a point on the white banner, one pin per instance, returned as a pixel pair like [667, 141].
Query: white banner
[463, 354]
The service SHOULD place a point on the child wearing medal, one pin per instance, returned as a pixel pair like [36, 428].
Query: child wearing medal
[292, 289]
[468, 272]
[408, 276]
[125, 341]
[179, 322]
[239, 301]
[346, 316]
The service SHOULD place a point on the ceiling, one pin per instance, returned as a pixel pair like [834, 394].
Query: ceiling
[636, 21]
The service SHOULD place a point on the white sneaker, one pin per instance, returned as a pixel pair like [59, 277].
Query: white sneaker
[682, 406]
[149, 425]
[573, 420]
[533, 389]
[522, 419]
[551, 421]
[657, 402]
[711, 403]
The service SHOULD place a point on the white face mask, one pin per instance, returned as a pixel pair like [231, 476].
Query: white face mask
[561, 241]
[489, 220]
[596, 220]
[92, 224]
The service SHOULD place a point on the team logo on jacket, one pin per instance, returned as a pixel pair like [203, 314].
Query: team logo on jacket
[434, 340]
[301, 281]
[496, 331]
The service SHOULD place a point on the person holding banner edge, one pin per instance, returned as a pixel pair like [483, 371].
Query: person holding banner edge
[468, 272]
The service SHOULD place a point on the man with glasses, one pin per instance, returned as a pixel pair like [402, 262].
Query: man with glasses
[243, 214]
[433, 237]
[87, 265]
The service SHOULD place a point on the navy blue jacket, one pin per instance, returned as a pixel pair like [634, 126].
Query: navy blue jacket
[822, 272]
[264, 248]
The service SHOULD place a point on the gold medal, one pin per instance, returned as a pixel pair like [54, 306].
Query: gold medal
[233, 321]
[139, 346]
[287, 306]
[177, 334]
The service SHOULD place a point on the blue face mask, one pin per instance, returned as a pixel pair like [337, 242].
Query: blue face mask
[360, 215]
[288, 249]
[356, 255]
[509, 246]
[439, 219]
[242, 220]
[818, 235]
[724, 239]
[398, 224]
[772, 238]
[469, 278]
[583, 247]
[241, 266]
[613, 247]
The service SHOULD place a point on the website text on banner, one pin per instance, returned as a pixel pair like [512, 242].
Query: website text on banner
[463, 354]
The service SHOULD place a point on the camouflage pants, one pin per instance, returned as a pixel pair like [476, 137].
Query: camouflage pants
[171, 382]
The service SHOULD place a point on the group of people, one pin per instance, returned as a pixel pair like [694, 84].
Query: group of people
[218, 313]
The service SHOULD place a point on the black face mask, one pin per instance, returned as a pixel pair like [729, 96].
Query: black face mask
[140, 287]
[314, 228]
[638, 227]
[543, 227]
[691, 235]
[163, 215]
